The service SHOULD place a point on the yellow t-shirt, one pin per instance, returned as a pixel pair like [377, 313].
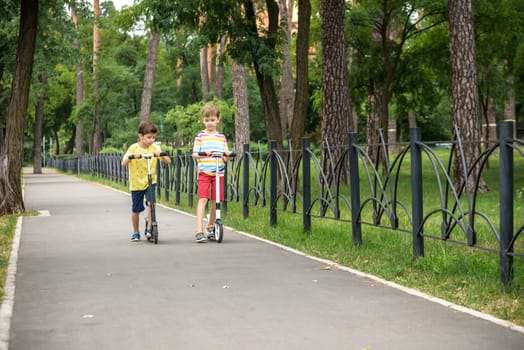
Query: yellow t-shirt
[138, 167]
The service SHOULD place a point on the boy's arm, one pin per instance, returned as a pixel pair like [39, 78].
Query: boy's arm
[125, 159]
[165, 159]
[196, 156]
[196, 147]
[227, 153]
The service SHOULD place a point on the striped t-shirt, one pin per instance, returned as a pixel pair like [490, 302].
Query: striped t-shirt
[205, 142]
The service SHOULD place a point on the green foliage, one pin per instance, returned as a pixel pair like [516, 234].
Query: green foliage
[111, 150]
[421, 83]
[187, 121]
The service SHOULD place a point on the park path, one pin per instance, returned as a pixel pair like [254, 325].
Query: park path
[81, 284]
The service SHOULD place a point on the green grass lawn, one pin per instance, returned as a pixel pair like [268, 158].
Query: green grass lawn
[7, 230]
[456, 273]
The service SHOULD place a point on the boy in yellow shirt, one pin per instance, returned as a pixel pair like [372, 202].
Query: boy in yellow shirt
[138, 183]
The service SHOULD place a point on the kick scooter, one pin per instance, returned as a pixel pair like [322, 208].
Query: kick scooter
[219, 225]
[154, 224]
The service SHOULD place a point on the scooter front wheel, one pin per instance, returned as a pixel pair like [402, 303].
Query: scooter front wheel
[219, 231]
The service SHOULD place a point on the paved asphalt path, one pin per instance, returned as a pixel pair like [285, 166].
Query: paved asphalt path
[81, 284]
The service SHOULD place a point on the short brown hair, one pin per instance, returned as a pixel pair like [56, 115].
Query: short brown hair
[210, 110]
[147, 127]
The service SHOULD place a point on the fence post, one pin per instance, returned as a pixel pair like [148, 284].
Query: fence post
[158, 178]
[416, 192]
[166, 180]
[191, 181]
[226, 174]
[506, 201]
[245, 180]
[178, 172]
[306, 185]
[272, 183]
[354, 185]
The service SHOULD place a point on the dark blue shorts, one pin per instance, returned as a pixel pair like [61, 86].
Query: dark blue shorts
[138, 198]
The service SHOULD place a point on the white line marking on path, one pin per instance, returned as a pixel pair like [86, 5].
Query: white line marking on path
[6, 310]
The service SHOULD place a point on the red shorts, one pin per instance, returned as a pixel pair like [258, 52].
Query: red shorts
[206, 186]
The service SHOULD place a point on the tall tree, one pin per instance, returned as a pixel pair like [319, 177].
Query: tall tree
[219, 81]
[149, 75]
[240, 98]
[301, 103]
[286, 80]
[336, 113]
[9, 20]
[95, 141]
[37, 127]
[161, 16]
[466, 109]
[11, 200]
[204, 73]
[261, 46]
[79, 78]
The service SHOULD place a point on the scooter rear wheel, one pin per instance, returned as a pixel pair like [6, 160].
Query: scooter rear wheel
[155, 234]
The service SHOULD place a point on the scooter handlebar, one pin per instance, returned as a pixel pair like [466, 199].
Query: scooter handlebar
[216, 154]
[147, 155]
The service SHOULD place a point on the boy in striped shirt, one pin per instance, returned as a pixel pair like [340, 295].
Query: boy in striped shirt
[209, 140]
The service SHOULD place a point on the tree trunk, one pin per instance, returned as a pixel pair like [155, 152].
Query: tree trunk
[336, 113]
[149, 76]
[412, 119]
[240, 97]
[179, 70]
[211, 66]
[37, 127]
[70, 145]
[509, 101]
[377, 110]
[96, 146]
[265, 81]
[11, 200]
[464, 91]
[56, 142]
[219, 83]
[490, 128]
[97, 137]
[204, 74]
[298, 123]
[79, 141]
[286, 80]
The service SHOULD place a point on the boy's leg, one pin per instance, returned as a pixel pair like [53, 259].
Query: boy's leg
[201, 209]
[137, 198]
[212, 214]
[134, 221]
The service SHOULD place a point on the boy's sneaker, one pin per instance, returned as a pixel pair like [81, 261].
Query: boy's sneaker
[200, 238]
[210, 232]
[135, 237]
[149, 233]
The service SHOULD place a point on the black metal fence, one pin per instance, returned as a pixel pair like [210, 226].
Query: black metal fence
[411, 191]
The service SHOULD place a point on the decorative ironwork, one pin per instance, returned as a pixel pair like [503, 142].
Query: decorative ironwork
[294, 181]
